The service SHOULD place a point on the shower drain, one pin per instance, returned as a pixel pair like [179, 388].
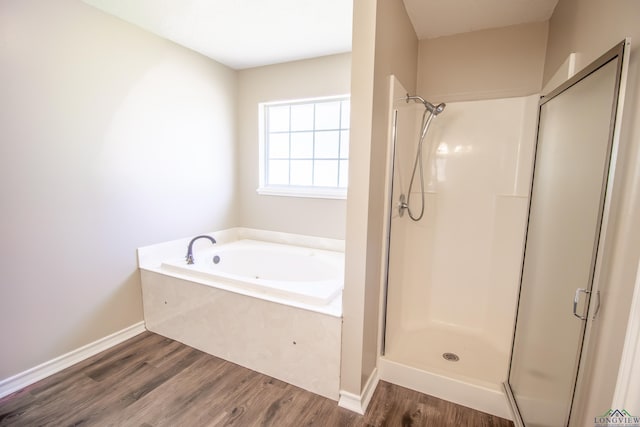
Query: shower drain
[450, 357]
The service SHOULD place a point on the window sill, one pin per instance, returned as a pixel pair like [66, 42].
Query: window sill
[309, 192]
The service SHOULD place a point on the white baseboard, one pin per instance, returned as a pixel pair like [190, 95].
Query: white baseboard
[30, 376]
[359, 403]
[489, 400]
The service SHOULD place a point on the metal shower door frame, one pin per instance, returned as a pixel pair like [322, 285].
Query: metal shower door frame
[620, 54]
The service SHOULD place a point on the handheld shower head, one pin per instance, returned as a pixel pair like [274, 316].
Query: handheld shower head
[435, 109]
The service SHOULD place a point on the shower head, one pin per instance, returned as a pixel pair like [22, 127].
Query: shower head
[433, 109]
[437, 109]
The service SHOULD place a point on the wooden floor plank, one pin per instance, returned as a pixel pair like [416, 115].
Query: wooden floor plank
[152, 381]
[121, 392]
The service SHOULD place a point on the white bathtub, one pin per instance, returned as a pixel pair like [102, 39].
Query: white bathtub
[273, 302]
[299, 274]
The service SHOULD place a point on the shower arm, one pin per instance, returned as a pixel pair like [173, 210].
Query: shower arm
[415, 98]
[433, 109]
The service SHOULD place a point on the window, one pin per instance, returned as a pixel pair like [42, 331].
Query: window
[304, 147]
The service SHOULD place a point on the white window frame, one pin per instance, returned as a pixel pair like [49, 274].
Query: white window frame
[292, 190]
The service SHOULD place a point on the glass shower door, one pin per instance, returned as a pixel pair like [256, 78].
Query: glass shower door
[567, 198]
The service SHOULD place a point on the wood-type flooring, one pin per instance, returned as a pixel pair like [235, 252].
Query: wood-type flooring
[151, 380]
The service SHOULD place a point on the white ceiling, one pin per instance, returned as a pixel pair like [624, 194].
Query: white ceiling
[250, 33]
[243, 33]
[436, 18]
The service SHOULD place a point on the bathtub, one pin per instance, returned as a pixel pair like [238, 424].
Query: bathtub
[271, 302]
[294, 273]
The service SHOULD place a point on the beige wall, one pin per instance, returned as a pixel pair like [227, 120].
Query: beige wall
[110, 138]
[497, 63]
[384, 43]
[317, 77]
[590, 28]
[362, 67]
[397, 54]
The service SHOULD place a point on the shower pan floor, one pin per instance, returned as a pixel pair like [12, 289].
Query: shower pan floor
[431, 349]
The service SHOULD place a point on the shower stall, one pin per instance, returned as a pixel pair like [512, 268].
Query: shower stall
[453, 263]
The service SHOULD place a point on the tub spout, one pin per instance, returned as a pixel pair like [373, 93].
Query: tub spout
[189, 256]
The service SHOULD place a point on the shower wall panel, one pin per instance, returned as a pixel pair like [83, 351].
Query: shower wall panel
[458, 268]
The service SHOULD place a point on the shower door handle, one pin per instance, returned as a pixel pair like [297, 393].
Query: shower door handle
[576, 299]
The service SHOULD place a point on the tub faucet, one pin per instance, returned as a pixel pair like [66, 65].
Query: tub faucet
[189, 256]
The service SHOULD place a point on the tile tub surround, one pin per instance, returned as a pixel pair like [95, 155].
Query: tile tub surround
[297, 343]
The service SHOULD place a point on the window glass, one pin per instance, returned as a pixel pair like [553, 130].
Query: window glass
[278, 172]
[325, 173]
[302, 117]
[302, 145]
[327, 145]
[305, 146]
[279, 119]
[328, 115]
[279, 146]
